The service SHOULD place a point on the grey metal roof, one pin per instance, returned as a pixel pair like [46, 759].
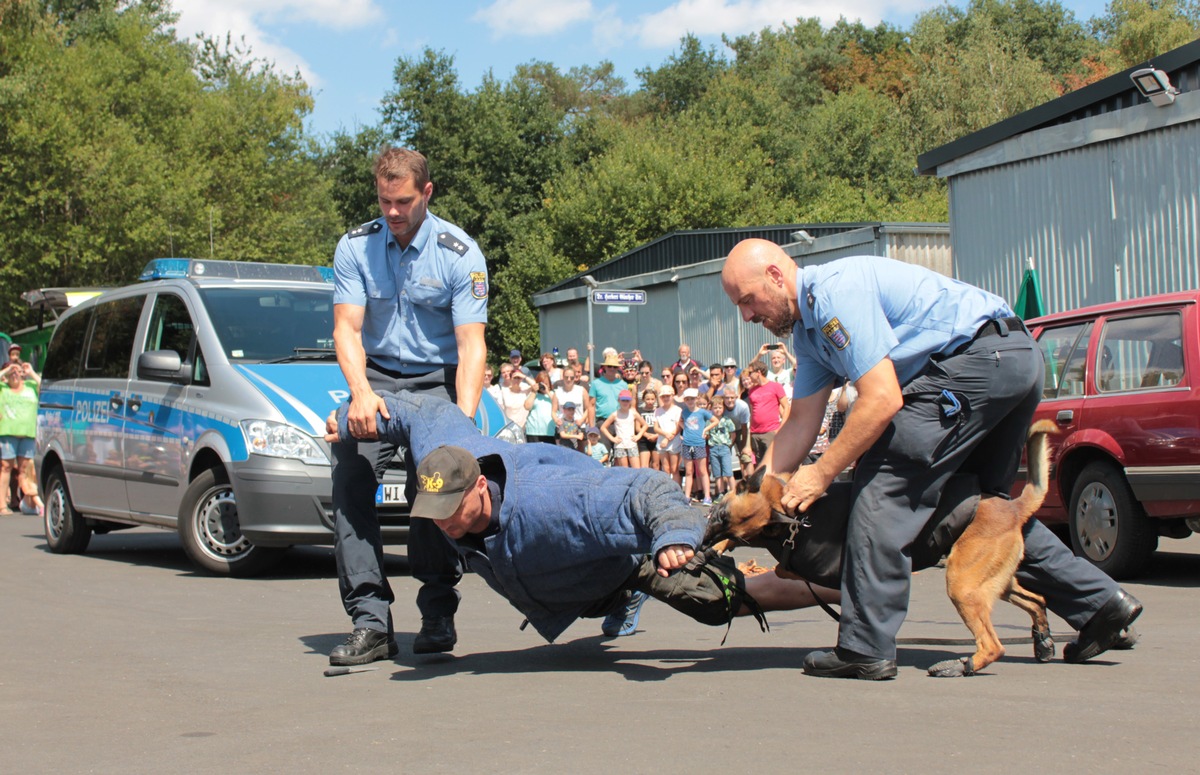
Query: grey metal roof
[684, 248]
[1182, 65]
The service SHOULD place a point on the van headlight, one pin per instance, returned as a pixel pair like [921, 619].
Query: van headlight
[276, 439]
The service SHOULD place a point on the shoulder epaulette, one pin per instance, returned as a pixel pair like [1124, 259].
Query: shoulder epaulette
[446, 239]
[367, 228]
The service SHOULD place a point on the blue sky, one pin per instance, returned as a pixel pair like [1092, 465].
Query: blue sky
[347, 49]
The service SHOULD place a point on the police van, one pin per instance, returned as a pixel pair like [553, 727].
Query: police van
[196, 400]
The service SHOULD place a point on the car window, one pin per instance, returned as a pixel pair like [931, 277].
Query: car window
[113, 329]
[257, 324]
[1140, 353]
[1065, 350]
[62, 362]
[171, 328]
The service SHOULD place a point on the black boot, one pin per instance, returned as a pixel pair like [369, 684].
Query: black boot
[437, 635]
[1105, 629]
[843, 663]
[364, 646]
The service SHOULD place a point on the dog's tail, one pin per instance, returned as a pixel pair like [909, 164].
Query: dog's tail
[1037, 455]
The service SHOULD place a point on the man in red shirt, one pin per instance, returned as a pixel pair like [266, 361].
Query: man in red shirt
[769, 405]
[686, 362]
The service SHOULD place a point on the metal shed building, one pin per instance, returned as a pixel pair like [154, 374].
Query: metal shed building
[680, 275]
[1100, 188]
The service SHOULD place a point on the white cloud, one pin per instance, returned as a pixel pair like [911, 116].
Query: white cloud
[609, 31]
[530, 18]
[245, 19]
[736, 17]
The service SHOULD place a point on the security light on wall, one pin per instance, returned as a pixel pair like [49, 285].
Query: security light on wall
[1154, 85]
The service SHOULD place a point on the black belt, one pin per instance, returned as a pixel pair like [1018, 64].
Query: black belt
[993, 327]
[411, 371]
[1000, 327]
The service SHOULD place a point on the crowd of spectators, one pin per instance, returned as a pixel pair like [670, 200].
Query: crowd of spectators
[700, 425]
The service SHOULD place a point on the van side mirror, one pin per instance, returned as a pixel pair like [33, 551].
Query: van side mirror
[162, 365]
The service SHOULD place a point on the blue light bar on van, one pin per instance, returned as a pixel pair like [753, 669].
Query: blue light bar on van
[175, 268]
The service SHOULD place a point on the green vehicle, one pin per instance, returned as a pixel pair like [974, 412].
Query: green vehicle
[55, 301]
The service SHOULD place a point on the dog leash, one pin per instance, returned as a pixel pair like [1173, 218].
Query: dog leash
[789, 546]
[728, 587]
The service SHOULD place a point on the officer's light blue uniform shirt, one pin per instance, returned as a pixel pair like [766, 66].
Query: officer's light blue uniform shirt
[856, 311]
[414, 298]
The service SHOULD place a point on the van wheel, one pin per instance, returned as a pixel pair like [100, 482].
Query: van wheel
[211, 533]
[66, 531]
[1108, 526]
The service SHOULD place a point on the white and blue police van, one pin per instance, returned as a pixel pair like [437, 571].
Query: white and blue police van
[195, 400]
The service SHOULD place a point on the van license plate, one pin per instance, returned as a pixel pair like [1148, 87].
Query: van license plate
[389, 495]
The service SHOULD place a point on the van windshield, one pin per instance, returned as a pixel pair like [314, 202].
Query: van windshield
[261, 324]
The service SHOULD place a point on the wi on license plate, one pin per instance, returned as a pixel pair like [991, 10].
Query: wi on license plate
[389, 495]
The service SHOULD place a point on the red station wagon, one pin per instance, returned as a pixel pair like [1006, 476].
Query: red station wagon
[1122, 386]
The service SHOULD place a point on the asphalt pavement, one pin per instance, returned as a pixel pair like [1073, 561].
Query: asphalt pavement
[124, 660]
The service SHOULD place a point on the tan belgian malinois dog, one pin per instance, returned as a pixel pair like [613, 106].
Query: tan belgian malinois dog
[981, 566]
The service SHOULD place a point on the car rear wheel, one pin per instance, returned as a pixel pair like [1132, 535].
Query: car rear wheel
[211, 533]
[66, 531]
[1108, 526]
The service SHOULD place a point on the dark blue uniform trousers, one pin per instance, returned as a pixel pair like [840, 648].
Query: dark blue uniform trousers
[997, 380]
[358, 547]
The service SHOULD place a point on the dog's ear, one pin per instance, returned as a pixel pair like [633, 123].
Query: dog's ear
[754, 483]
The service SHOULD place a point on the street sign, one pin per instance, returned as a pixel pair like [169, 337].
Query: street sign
[618, 297]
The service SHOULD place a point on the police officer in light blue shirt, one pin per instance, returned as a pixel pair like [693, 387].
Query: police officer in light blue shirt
[410, 308]
[948, 380]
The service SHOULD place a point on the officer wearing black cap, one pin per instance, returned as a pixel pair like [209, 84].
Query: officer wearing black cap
[557, 535]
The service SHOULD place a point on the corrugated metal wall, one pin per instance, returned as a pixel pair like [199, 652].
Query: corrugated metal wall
[1156, 195]
[652, 327]
[693, 308]
[1103, 222]
[930, 249]
[923, 244]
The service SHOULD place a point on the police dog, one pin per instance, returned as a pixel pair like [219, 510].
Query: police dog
[980, 569]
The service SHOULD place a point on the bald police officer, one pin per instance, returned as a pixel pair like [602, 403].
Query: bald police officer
[948, 379]
[410, 308]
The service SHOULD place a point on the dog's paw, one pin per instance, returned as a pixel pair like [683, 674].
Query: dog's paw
[952, 668]
[1043, 645]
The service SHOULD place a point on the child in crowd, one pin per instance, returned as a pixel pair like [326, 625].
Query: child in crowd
[702, 402]
[623, 428]
[719, 433]
[695, 454]
[647, 444]
[570, 434]
[595, 447]
[666, 425]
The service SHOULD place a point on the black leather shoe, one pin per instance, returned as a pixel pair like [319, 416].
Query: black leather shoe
[1104, 629]
[437, 635]
[843, 663]
[364, 646]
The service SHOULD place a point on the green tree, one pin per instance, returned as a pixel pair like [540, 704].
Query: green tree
[119, 143]
[492, 153]
[1136, 31]
[1044, 30]
[682, 80]
[346, 160]
[959, 88]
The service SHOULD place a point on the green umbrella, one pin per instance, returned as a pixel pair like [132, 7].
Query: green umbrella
[1029, 298]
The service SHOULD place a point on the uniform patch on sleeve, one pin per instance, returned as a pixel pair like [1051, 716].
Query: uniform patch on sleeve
[837, 336]
[479, 285]
[367, 228]
[454, 243]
